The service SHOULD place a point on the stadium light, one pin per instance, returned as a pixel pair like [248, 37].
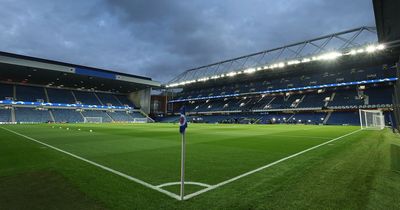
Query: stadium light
[327, 56]
[250, 70]
[353, 52]
[293, 62]
[371, 49]
[381, 47]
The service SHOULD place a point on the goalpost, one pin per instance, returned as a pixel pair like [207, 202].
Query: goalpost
[140, 120]
[372, 119]
[92, 119]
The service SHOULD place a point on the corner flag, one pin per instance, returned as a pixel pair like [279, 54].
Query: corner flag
[182, 128]
[182, 121]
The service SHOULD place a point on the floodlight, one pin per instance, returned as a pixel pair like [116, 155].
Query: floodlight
[250, 70]
[381, 47]
[370, 49]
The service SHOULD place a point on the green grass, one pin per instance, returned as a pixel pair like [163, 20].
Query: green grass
[351, 173]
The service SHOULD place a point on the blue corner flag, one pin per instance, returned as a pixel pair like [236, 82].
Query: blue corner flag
[182, 121]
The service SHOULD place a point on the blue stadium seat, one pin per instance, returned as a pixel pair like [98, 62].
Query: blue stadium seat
[67, 115]
[120, 116]
[97, 113]
[6, 91]
[86, 98]
[5, 115]
[29, 93]
[60, 96]
[32, 115]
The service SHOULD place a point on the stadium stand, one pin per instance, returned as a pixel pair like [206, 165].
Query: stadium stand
[6, 91]
[120, 116]
[87, 98]
[67, 116]
[97, 113]
[289, 91]
[60, 96]
[35, 90]
[23, 114]
[30, 93]
[343, 118]
[5, 115]
[108, 99]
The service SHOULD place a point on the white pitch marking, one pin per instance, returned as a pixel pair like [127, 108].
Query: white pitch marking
[296, 136]
[264, 167]
[178, 183]
[170, 194]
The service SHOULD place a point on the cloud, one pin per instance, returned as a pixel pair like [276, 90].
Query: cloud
[163, 38]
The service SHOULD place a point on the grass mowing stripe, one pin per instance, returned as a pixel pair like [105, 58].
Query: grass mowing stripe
[173, 195]
[264, 167]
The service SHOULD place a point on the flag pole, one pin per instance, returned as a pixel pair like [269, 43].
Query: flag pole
[183, 167]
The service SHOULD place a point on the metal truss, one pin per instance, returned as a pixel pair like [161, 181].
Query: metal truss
[334, 42]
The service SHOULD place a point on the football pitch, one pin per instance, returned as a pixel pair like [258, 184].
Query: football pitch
[138, 165]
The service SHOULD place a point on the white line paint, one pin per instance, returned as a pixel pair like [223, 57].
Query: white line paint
[178, 183]
[264, 167]
[173, 195]
[297, 136]
[170, 194]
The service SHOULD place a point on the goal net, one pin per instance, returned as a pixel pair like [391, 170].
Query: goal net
[140, 120]
[372, 119]
[92, 119]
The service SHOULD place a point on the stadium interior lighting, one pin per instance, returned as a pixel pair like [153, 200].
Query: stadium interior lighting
[330, 56]
[327, 56]
[371, 49]
[250, 70]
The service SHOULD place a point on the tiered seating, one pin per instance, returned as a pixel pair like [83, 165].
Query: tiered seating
[29, 93]
[312, 117]
[6, 90]
[120, 116]
[137, 115]
[340, 118]
[262, 102]
[60, 96]
[314, 100]
[67, 115]
[379, 96]
[108, 99]
[346, 99]
[87, 98]
[97, 113]
[124, 100]
[168, 119]
[5, 115]
[342, 75]
[31, 115]
[277, 103]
